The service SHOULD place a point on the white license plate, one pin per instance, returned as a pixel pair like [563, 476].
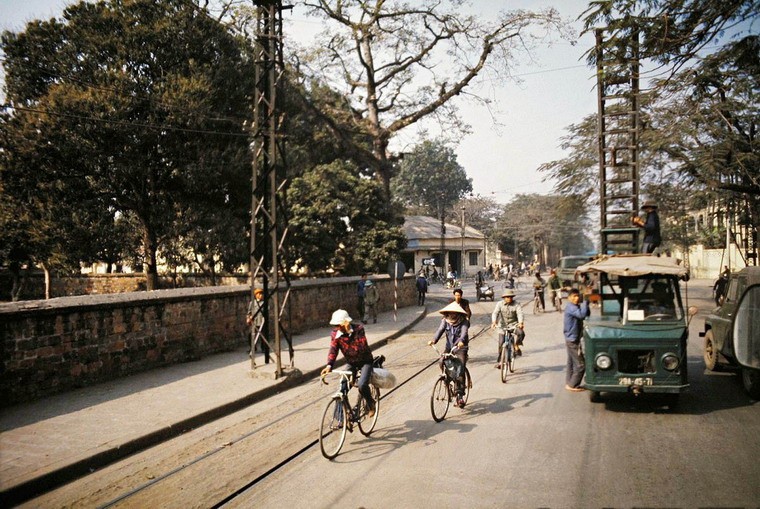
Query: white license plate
[635, 381]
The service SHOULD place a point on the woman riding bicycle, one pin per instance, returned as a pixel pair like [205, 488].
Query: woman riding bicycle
[508, 316]
[456, 327]
[352, 342]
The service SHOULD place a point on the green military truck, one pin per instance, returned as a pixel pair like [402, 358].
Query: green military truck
[730, 341]
[637, 343]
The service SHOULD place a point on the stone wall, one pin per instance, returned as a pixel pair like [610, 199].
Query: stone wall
[55, 345]
[91, 284]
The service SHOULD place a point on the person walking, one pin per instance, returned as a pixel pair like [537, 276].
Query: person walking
[360, 295]
[371, 298]
[254, 318]
[573, 331]
[351, 341]
[651, 226]
[422, 287]
[508, 316]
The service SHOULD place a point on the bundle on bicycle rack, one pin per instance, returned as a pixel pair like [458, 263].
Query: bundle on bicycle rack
[381, 377]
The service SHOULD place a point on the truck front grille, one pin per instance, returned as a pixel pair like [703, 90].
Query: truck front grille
[636, 361]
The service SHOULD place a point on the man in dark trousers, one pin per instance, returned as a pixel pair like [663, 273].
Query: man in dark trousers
[422, 288]
[651, 226]
[573, 330]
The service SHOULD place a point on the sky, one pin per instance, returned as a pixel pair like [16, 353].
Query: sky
[556, 89]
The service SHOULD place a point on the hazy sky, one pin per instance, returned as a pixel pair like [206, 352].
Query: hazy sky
[556, 89]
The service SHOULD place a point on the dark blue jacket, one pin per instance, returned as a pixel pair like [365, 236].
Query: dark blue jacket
[454, 334]
[574, 316]
[652, 229]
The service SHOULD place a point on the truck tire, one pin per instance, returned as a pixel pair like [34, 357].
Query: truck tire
[711, 352]
[751, 381]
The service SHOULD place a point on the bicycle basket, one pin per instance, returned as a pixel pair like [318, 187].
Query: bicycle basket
[454, 367]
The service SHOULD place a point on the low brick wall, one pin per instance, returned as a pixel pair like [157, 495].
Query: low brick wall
[50, 346]
[92, 284]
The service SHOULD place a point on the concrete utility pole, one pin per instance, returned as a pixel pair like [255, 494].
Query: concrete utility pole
[269, 268]
[464, 272]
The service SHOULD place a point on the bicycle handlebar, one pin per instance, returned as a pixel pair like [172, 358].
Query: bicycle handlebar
[341, 372]
[445, 354]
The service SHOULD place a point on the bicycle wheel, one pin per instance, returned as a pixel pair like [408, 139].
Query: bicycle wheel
[558, 303]
[467, 385]
[332, 429]
[440, 399]
[503, 362]
[511, 356]
[367, 424]
[536, 306]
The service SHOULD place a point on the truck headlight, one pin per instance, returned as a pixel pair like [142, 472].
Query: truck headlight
[670, 362]
[603, 361]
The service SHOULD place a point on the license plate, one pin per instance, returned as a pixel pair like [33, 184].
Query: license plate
[635, 381]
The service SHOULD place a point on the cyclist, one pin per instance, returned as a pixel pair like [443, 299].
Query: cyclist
[456, 327]
[352, 342]
[508, 316]
[555, 285]
[538, 287]
[463, 303]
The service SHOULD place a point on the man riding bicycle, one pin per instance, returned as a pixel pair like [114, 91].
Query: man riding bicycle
[352, 342]
[508, 316]
[456, 327]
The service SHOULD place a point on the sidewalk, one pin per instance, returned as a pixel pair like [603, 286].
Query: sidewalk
[49, 442]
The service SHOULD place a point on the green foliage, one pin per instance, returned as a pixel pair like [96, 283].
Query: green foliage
[339, 220]
[113, 100]
[430, 179]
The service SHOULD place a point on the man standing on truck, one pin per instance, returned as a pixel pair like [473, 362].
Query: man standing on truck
[573, 330]
[651, 227]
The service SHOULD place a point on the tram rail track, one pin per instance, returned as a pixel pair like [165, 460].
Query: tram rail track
[288, 459]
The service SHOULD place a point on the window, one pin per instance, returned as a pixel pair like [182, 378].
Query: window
[473, 258]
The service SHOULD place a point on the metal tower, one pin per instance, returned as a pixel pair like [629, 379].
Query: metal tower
[269, 268]
[617, 70]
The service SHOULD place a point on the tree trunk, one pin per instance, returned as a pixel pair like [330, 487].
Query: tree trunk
[149, 248]
[47, 281]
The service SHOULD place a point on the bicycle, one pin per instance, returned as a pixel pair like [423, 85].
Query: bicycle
[507, 355]
[445, 387]
[537, 309]
[334, 424]
[557, 299]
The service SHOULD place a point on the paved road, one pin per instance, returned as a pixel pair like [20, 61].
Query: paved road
[524, 443]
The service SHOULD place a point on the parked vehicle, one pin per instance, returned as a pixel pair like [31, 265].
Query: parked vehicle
[720, 343]
[566, 269]
[638, 343]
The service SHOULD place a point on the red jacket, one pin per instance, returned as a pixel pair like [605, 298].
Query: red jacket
[353, 346]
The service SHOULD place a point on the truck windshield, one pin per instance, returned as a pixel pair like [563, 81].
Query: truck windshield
[651, 298]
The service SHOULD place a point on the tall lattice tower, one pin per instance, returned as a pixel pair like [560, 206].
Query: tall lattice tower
[269, 267]
[618, 130]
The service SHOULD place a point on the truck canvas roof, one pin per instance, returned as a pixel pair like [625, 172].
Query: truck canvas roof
[635, 265]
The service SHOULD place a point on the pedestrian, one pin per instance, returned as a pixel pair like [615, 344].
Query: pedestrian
[422, 287]
[538, 288]
[351, 341]
[479, 280]
[464, 303]
[254, 318]
[719, 288]
[360, 294]
[456, 327]
[651, 226]
[508, 316]
[573, 331]
[371, 298]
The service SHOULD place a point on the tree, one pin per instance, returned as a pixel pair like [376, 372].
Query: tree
[117, 93]
[336, 221]
[430, 180]
[397, 64]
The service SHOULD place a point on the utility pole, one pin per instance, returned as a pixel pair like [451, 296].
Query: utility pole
[268, 266]
[464, 272]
